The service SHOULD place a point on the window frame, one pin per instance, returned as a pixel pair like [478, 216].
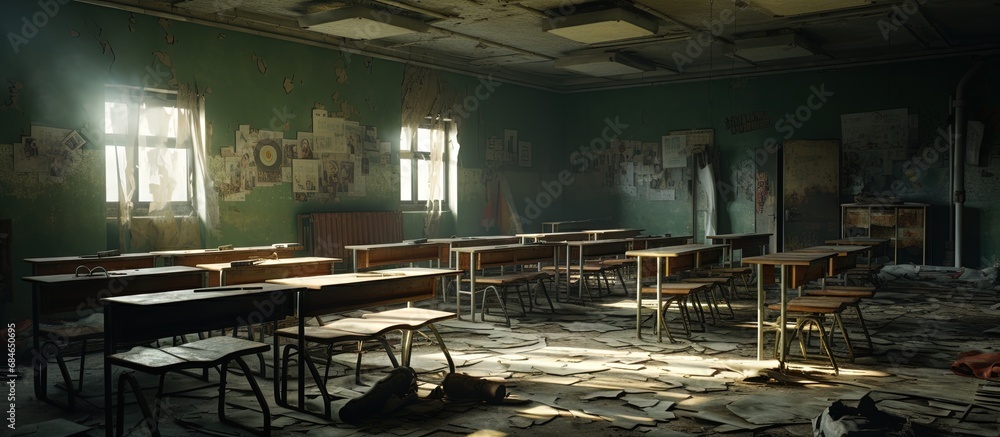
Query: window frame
[415, 156]
[133, 98]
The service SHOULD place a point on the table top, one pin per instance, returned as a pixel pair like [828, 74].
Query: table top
[599, 242]
[176, 296]
[275, 247]
[611, 231]
[391, 245]
[117, 274]
[472, 239]
[502, 247]
[89, 258]
[672, 251]
[298, 261]
[861, 241]
[554, 234]
[840, 249]
[790, 258]
[318, 282]
[736, 236]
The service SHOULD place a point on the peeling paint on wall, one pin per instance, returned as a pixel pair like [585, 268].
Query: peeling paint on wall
[169, 37]
[287, 84]
[261, 65]
[14, 96]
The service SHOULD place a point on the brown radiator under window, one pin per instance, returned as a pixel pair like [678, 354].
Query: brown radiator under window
[326, 233]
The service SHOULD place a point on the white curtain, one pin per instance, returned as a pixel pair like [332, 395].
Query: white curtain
[192, 125]
[426, 100]
[159, 164]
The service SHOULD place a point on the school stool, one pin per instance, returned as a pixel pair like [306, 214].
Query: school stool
[857, 292]
[498, 286]
[348, 330]
[680, 293]
[809, 313]
[720, 283]
[200, 354]
[416, 319]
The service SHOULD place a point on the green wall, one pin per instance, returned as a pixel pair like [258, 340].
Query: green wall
[57, 79]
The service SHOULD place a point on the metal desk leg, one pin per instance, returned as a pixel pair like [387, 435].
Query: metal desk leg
[760, 312]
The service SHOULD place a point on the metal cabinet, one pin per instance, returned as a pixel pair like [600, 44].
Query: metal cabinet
[904, 224]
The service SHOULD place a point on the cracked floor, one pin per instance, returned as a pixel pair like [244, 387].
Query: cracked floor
[583, 371]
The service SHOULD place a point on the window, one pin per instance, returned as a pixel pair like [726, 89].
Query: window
[143, 158]
[417, 166]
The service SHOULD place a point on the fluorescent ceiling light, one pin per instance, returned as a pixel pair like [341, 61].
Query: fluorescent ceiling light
[786, 8]
[357, 22]
[602, 65]
[603, 26]
[769, 48]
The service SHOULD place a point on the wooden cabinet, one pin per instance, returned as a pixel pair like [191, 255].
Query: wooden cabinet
[904, 224]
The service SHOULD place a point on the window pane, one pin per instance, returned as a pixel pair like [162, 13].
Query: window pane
[158, 121]
[423, 178]
[111, 171]
[423, 140]
[405, 180]
[423, 172]
[115, 118]
[163, 173]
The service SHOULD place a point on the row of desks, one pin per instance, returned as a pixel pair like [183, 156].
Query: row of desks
[143, 318]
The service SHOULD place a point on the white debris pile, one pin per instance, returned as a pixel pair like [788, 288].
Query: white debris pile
[985, 278]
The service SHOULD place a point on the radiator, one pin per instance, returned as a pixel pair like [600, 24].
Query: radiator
[326, 233]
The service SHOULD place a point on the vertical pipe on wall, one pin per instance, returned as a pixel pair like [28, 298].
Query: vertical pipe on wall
[958, 162]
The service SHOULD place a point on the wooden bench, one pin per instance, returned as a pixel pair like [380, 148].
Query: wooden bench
[475, 260]
[143, 319]
[499, 285]
[79, 294]
[200, 354]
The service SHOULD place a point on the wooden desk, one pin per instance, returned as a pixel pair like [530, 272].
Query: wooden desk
[554, 226]
[740, 242]
[473, 259]
[492, 240]
[81, 295]
[193, 257]
[553, 237]
[269, 269]
[374, 255]
[876, 246]
[350, 291]
[796, 269]
[129, 320]
[669, 261]
[846, 259]
[612, 234]
[68, 264]
[639, 243]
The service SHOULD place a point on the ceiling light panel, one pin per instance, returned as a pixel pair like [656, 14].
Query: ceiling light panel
[785, 8]
[770, 48]
[357, 22]
[603, 65]
[602, 26]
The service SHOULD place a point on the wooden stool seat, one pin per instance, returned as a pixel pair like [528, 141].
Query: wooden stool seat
[416, 319]
[511, 278]
[201, 354]
[857, 293]
[679, 292]
[357, 330]
[809, 312]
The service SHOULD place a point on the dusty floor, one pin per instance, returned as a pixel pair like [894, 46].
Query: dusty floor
[582, 371]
